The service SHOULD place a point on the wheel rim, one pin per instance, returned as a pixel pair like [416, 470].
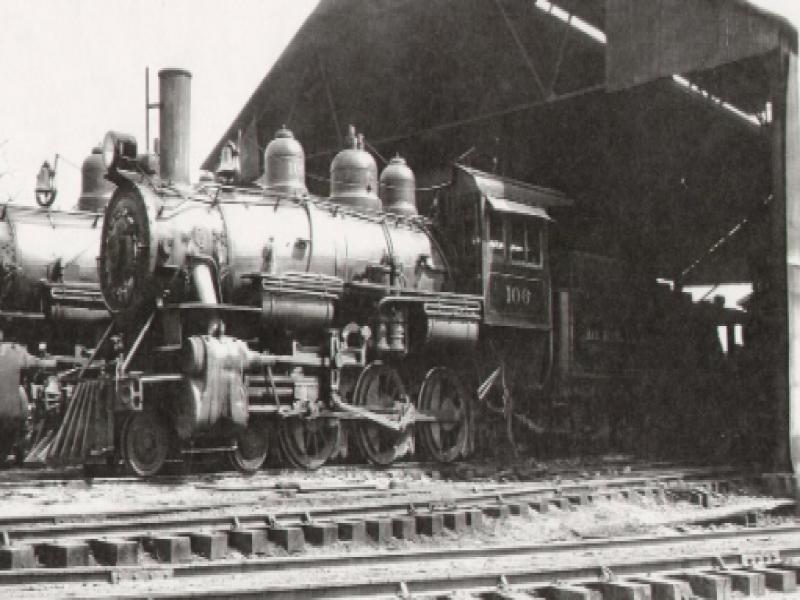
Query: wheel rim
[146, 442]
[443, 395]
[307, 443]
[380, 389]
[252, 448]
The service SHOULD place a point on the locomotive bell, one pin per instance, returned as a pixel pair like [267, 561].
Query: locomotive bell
[398, 188]
[354, 176]
[285, 164]
[96, 190]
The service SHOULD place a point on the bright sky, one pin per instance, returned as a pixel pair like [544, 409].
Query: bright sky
[71, 71]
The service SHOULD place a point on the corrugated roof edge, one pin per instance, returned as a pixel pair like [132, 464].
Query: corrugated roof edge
[497, 186]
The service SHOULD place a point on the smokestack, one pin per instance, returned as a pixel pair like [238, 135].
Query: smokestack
[175, 99]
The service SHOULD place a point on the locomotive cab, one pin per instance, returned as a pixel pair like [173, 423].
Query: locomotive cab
[499, 233]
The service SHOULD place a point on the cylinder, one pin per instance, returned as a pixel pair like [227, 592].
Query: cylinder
[296, 312]
[451, 333]
[175, 101]
[96, 190]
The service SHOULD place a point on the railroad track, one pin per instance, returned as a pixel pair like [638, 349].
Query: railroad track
[220, 540]
[707, 564]
[27, 477]
[563, 494]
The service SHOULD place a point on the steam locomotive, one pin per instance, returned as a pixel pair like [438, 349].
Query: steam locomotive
[238, 319]
[51, 308]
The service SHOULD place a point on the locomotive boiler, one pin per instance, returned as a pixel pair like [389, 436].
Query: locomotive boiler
[231, 245]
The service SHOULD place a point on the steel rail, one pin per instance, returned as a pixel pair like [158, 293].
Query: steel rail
[41, 527]
[784, 540]
[33, 478]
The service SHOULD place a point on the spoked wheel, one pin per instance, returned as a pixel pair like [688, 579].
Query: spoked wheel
[380, 389]
[307, 443]
[252, 448]
[146, 443]
[443, 396]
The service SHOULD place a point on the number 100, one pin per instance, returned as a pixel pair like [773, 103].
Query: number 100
[518, 296]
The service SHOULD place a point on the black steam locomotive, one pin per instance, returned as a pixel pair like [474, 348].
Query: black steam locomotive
[238, 319]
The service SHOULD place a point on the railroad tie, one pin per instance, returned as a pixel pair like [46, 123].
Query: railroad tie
[211, 545]
[568, 592]
[115, 552]
[17, 557]
[708, 585]
[64, 554]
[663, 588]
[321, 534]
[289, 538]
[352, 531]
[379, 529]
[748, 583]
[248, 541]
[778, 579]
[169, 548]
[404, 527]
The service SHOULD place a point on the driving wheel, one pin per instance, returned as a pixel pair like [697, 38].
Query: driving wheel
[252, 448]
[380, 390]
[443, 397]
[308, 442]
[146, 443]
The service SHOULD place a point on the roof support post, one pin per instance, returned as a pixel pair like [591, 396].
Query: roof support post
[785, 174]
[782, 306]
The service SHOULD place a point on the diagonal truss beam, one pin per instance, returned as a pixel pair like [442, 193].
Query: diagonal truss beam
[522, 50]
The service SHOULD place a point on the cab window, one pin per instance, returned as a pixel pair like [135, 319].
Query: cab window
[520, 236]
[517, 245]
[533, 241]
[497, 238]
